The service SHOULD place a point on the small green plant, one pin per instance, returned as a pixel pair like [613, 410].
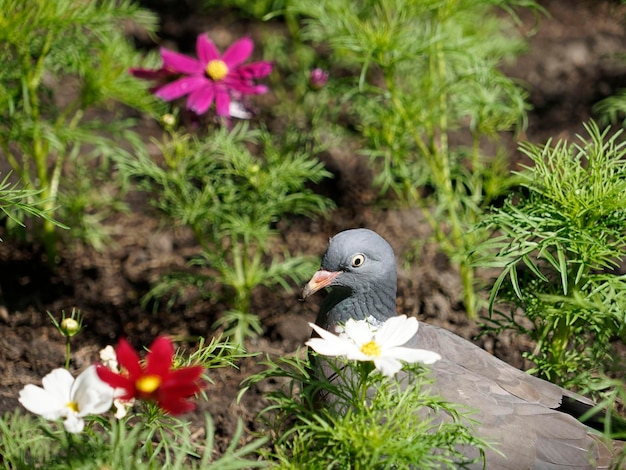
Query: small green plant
[370, 421]
[232, 200]
[562, 239]
[61, 61]
[426, 96]
[31, 442]
[148, 429]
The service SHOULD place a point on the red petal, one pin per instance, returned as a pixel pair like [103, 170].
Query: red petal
[160, 356]
[128, 359]
[175, 405]
[116, 381]
[184, 381]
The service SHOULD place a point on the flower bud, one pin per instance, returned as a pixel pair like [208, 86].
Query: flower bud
[69, 327]
[168, 120]
[318, 78]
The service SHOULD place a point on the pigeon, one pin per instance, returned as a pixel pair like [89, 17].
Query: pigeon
[531, 422]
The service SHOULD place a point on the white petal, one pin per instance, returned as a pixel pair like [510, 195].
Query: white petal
[330, 346]
[359, 331]
[388, 365]
[92, 395]
[73, 423]
[59, 383]
[41, 402]
[413, 355]
[396, 331]
[355, 354]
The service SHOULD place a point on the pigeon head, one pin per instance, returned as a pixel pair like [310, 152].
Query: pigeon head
[359, 267]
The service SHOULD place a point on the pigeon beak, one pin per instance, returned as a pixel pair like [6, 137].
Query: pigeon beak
[320, 279]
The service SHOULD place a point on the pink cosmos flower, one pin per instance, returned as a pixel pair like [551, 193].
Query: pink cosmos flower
[211, 77]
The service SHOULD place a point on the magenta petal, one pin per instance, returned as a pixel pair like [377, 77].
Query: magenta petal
[150, 74]
[206, 50]
[260, 90]
[181, 87]
[238, 52]
[255, 70]
[245, 86]
[180, 62]
[222, 103]
[200, 100]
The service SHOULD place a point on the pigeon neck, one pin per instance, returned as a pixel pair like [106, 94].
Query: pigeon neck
[341, 304]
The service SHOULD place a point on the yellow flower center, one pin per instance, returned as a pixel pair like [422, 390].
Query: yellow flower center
[371, 349]
[148, 383]
[73, 406]
[216, 69]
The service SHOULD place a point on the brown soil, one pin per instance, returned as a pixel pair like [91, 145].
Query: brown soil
[570, 65]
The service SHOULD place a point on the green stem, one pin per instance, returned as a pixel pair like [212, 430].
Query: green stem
[40, 148]
[67, 352]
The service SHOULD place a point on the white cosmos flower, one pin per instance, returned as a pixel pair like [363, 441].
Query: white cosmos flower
[362, 341]
[64, 397]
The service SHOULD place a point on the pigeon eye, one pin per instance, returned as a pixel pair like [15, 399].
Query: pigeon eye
[357, 260]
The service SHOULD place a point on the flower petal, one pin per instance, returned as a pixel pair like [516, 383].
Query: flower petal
[359, 331]
[238, 52]
[396, 331]
[175, 405]
[206, 50]
[181, 87]
[388, 366]
[73, 423]
[222, 102]
[59, 383]
[329, 344]
[184, 382]
[124, 387]
[128, 359]
[92, 395]
[39, 401]
[160, 357]
[413, 355]
[255, 70]
[180, 63]
[150, 74]
[201, 100]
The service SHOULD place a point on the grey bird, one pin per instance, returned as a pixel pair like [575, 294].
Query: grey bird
[532, 422]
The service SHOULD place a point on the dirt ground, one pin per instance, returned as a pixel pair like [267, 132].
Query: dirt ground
[571, 64]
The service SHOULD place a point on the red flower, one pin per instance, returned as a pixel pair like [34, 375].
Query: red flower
[155, 380]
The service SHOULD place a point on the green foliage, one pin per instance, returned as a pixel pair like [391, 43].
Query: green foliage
[424, 91]
[371, 421]
[14, 203]
[144, 438]
[257, 9]
[562, 241]
[31, 442]
[62, 60]
[232, 201]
